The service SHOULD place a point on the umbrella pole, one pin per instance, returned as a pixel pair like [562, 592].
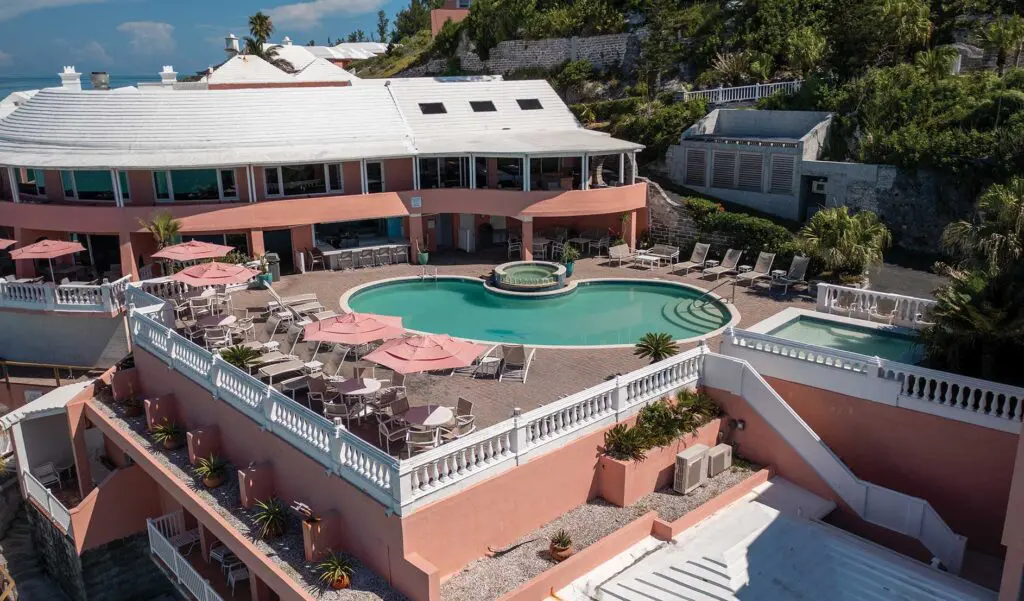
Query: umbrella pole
[53, 278]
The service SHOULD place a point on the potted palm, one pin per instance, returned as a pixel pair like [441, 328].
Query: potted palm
[169, 434]
[421, 254]
[335, 571]
[271, 517]
[656, 346]
[239, 355]
[265, 277]
[569, 256]
[561, 546]
[213, 470]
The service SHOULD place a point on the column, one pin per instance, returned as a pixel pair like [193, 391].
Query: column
[526, 172]
[12, 177]
[1012, 574]
[492, 173]
[585, 172]
[362, 176]
[415, 173]
[259, 589]
[622, 169]
[77, 426]
[629, 230]
[527, 238]
[256, 246]
[23, 268]
[129, 262]
[415, 236]
[118, 193]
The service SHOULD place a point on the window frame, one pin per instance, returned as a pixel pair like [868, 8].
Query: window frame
[487, 106]
[463, 3]
[74, 185]
[279, 169]
[169, 181]
[431, 111]
[529, 102]
[383, 179]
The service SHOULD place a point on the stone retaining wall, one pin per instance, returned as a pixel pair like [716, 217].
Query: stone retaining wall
[670, 223]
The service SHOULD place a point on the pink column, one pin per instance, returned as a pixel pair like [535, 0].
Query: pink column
[527, 238]
[24, 269]
[129, 265]
[630, 230]
[1012, 570]
[256, 246]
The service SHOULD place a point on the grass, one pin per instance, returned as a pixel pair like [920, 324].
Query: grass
[411, 52]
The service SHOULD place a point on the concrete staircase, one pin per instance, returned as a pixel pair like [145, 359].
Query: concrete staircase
[23, 563]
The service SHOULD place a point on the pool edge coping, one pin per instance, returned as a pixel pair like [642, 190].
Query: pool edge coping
[733, 311]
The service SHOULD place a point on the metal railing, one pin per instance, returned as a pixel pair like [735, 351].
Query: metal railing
[46, 501]
[743, 93]
[186, 575]
[46, 296]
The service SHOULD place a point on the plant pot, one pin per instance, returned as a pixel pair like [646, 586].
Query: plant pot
[172, 444]
[423, 257]
[569, 267]
[265, 279]
[214, 481]
[560, 554]
[341, 583]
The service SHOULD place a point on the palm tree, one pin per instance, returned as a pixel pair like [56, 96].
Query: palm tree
[656, 346]
[844, 244]
[261, 27]
[907, 22]
[805, 50]
[936, 63]
[732, 67]
[1004, 36]
[164, 227]
[239, 356]
[994, 239]
[267, 52]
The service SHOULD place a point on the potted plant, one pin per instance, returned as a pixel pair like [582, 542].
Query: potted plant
[335, 571]
[569, 256]
[421, 254]
[213, 470]
[271, 517]
[169, 434]
[265, 277]
[561, 546]
[132, 405]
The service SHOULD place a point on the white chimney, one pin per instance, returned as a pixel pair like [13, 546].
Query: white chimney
[168, 77]
[71, 79]
[231, 45]
[287, 41]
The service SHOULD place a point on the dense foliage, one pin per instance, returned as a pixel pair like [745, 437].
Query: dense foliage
[844, 245]
[749, 233]
[660, 423]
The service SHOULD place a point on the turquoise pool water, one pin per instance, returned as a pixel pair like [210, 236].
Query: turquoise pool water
[594, 314]
[873, 342]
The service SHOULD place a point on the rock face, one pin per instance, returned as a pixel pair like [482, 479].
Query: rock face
[670, 223]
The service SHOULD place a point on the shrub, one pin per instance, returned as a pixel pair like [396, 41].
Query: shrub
[446, 43]
[211, 467]
[659, 423]
[333, 568]
[625, 443]
[655, 346]
[167, 432]
[561, 539]
[749, 233]
[271, 518]
[700, 404]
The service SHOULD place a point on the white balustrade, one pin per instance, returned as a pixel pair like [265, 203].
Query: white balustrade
[810, 353]
[900, 310]
[180, 567]
[45, 296]
[46, 501]
[954, 391]
[744, 93]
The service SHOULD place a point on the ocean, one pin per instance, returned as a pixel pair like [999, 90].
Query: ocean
[18, 83]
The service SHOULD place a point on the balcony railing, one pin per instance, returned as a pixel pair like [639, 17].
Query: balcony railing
[47, 502]
[744, 93]
[161, 531]
[105, 298]
[906, 311]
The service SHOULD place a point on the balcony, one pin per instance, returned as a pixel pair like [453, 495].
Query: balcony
[107, 298]
[203, 580]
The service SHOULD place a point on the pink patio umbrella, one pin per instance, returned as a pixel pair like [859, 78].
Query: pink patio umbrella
[214, 274]
[5, 243]
[47, 249]
[355, 328]
[193, 250]
[426, 353]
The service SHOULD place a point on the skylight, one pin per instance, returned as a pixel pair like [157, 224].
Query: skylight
[482, 106]
[432, 108]
[529, 104]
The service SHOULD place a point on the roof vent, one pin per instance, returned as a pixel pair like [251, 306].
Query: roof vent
[231, 45]
[167, 76]
[100, 80]
[287, 41]
[71, 79]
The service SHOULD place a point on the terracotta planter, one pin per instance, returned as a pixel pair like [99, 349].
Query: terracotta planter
[341, 583]
[214, 481]
[172, 444]
[560, 554]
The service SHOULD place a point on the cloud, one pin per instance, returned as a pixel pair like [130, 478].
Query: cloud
[14, 8]
[307, 15]
[150, 37]
[94, 53]
[6, 59]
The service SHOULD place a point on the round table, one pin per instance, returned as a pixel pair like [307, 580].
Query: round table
[429, 416]
[358, 387]
[216, 321]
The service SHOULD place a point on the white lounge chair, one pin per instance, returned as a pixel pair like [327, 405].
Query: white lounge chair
[697, 258]
[796, 275]
[280, 369]
[620, 253]
[516, 363]
[727, 266]
[762, 269]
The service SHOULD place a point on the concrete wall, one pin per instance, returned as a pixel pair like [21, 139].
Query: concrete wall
[103, 516]
[51, 337]
[46, 440]
[758, 123]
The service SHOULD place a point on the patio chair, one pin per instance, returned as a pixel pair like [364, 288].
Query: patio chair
[235, 576]
[515, 247]
[599, 244]
[188, 538]
[762, 269]
[516, 365]
[465, 421]
[194, 333]
[421, 440]
[796, 275]
[697, 258]
[390, 430]
[540, 250]
[557, 250]
[345, 411]
[199, 306]
[727, 266]
[243, 328]
[346, 260]
[365, 258]
[315, 256]
[620, 253]
[47, 474]
[320, 391]
[399, 254]
[217, 338]
[382, 256]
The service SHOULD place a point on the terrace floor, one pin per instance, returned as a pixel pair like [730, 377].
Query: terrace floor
[554, 372]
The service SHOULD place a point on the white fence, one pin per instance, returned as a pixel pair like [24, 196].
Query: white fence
[105, 298]
[882, 506]
[744, 93]
[904, 311]
[46, 501]
[161, 530]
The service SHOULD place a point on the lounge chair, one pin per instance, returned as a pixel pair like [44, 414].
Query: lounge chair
[697, 258]
[664, 252]
[279, 369]
[516, 364]
[620, 253]
[762, 269]
[47, 474]
[797, 274]
[727, 266]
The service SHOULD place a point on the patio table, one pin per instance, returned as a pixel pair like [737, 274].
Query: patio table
[648, 261]
[429, 416]
[216, 321]
[358, 386]
[580, 241]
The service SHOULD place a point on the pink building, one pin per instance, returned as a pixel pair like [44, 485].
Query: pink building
[453, 10]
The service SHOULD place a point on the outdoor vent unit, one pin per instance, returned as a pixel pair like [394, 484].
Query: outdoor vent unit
[719, 459]
[818, 186]
[691, 469]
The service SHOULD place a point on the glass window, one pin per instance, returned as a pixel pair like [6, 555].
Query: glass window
[40, 180]
[195, 184]
[481, 172]
[429, 176]
[67, 179]
[529, 104]
[122, 177]
[335, 181]
[510, 173]
[227, 183]
[374, 177]
[462, 3]
[160, 184]
[31, 182]
[94, 185]
[272, 178]
[482, 106]
[432, 108]
[452, 173]
[303, 179]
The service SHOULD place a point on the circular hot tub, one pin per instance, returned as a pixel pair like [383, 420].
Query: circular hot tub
[528, 277]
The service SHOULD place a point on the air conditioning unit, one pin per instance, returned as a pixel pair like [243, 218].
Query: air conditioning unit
[818, 186]
[719, 459]
[691, 469]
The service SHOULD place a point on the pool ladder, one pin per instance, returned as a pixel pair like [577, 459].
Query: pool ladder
[427, 274]
[707, 295]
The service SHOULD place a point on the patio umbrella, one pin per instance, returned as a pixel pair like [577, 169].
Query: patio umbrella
[214, 274]
[426, 353]
[355, 328]
[5, 243]
[193, 250]
[47, 249]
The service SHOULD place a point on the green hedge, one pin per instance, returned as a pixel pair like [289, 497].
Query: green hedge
[752, 234]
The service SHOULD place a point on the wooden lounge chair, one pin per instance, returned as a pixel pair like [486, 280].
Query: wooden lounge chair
[727, 266]
[762, 269]
[620, 253]
[697, 258]
[796, 275]
[516, 365]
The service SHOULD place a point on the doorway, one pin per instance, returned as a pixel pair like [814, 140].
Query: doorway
[444, 231]
[280, 242]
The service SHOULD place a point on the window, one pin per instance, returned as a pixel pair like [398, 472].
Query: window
[462, 3]
[481, 173]
[93, 185]
[335, 179]
[296, 180]
[227, 184]
[429, 174]
[482, 106]
[374, 176]
[272, 177]
[161, 185]
[195, 185]
[510, 173]
[68, 180]
[432, 108]
[31, 182]
[122, 177]
[529, 104]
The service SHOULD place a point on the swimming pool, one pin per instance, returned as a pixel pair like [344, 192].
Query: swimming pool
[895, 344]
[597, 313]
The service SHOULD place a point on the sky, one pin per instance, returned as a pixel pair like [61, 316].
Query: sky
[131, 37]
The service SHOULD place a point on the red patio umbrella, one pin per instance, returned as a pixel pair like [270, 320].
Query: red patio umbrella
[47, 249]
[426, 353]
[214, 274]
[355, 328]
[5, 243]
[193, 250]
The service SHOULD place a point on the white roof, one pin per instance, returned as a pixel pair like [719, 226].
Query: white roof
[243, 68]
[13, 100]
[320, 70]
[60, 128]
[51, 403]
[300, 56]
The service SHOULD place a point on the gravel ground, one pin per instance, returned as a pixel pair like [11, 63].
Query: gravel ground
[491, 577]
[286, 551]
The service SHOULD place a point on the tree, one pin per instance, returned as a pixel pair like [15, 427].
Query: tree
[311, 43]
[1004, 36]
[994, 239]
[382, 25]
[844, 244]
[255, 44]
[805, 50]
[655, 346]
[936, 63]
[491, 22]
[261, 27]
[730, 68]
[414, 18]
[164, 228]
[357, 36]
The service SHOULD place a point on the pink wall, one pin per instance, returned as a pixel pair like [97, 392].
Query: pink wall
[117, 508]
[352, 175]
[1013, 531]
[864, 434]
[140, 188]
[397, 175]
[12, 395]
[438, 16]
[242, 184]
[54, 185]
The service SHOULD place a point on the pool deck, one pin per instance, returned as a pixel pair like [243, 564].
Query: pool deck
[554, 372]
